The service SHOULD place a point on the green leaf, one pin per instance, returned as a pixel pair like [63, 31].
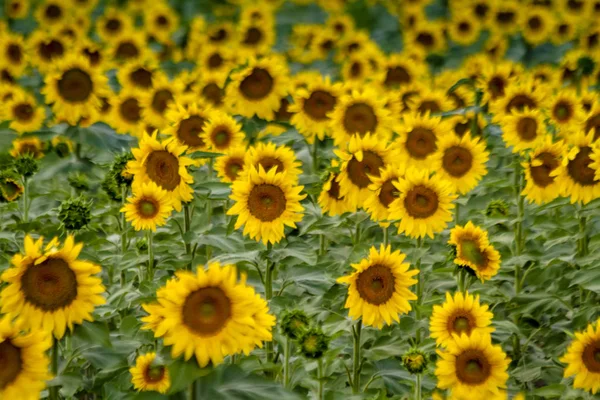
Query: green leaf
[94, 333]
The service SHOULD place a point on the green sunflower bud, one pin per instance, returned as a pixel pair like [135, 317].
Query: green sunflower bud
[75, 213]
[586, 65]
[497, 209]
[415, 361]
[313, 343]
[26, 165]
[293, 323]
[118, 168]
[110, 187]
[141, 245]
[79, 182]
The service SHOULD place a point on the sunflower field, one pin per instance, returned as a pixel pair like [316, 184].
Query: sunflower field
[299, 199]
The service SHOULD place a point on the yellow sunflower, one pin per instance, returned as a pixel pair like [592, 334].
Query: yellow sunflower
[160, 21]
[23, 112]
[73, 89]
[94, 52]
[330, 200]
[51, 289]
[360, 113]
[222, 132]
[324, 41]
[546, 74]
[495, 46]
[16, 9]
[216, 62]
[113, 23]
[52, 12]
[230, 165]
[383, 192]
[471, 367]
[24, 368]
[353, 42]
[418, 139]
[128, 46]
[149, 207]
[378, 289]
[459, 314]
[13, 53]
[583, 359]
[474, 251]
[424, 204]
[566, 112]
[364, 159]
[138, 74]
[10, 189]
[258, 88]
[432, 101]
[523, 130]
[519, 95]
[399, 70]
[541, 186]
[462, 125]
[45, 49]
[210, 315]
[155, 101]
[494, 79]
[356, 70]
[221, 33]
[461, 161]
[538, 24]
[186, 125]
[428, 36]
[269, 156]
[126, 112]
[592, 121]
[149, 374]
[464, 29]
[255, 38]
[577, 177]
[28, 145]
[505, 16]
[211, 93]
[565, 30]
[265, 202]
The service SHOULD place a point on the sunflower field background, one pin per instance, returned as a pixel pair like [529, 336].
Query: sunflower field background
[306, 199]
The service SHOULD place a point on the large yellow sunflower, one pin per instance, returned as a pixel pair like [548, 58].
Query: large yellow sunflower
[378, 289]
[461, 161]
[330, 200]
[474, 251]
[424, 204]
[222, 132]
[418, 139]
[210, 315]
[73, 89]
[265, 202]
[164, 164]
[541, 186]
[155, 101]
[230, 165]
[365, 158]
[23, 112]
[51, 289]
[383, 192]
[577, 177]
[282, 159]
[459, 314]
[583, 359]
[471, 367]
[149, 374]
[149, 207]
[523, 130]
[258, 88]
[24, 367]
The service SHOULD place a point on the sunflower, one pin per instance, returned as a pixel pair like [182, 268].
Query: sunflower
[222, 132]
[383, 192]
[73, 89]
[281, 159]
[427, 36]
[462, 125]
[538, 25]
[257, 89]
[13, 54]
[472, 367]
[424, 204]
[255, 38]
[216, 62]
[186, 125]
[576, 176]
[592, 121]
[365, 158]
[113, 23]
[418, 139]
[163, 164]
[407, 93]
[519, 94]
[16, 9]
[126, 112]
[93, 52]
[353, 42]
[474, 251]
[356, 69]
[505, 16]
[546, 74]
[46, 49]
[301, 42]
[399, 70]
[209, 314]
[495, 47]
[464, 29]
[27, 145]
[138, 74]
[230, 165]
[340, 23]
[523, 130]
[211, 92]
[330, 200]
[160, 21]
[51, 289]
[155, 101]
[324, 41]
[23, 112]
[461, 161]
[24, 368]
[149, 374]
[149, 207]
[459, 314]
[52, 12]
[360, 113]
[265, 203]
[494, 80]
[10, 188]
[378, 289]
[541, 185]
[432, 101]
[565, 30]
[128, 46]
[222, 33]
[583, 359]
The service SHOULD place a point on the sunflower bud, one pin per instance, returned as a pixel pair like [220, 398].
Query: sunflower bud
[293, 323]
[10, 188]
[118, 168]
[78, 182]
[141, 245]
[313, 343]
[497, 209]
[26, 165]
[75, 213]
[586, 65]
[62, 146]
[415, 361]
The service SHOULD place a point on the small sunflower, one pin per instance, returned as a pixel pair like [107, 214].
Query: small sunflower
[160, 21]
[523, 130]
[23, 112]
[565, 30]
[16, 9]
[354, 42]
[265, 202]
[424, 204]
[538, 25]
[163, 164]
[378, 289]
[155, 101]
[462, 125]
[592, 121]
[126, 112]
[432, 101]
[13, 53]
[149, 374]
[186, 125]
[474, 251]
[471, 366]
[230, 165]
[45, 49]
[418, 139]
[541, 185]
[383, 193]
[221, 33]
[130, 45]
[399, 70]
[494, 80]
[149, 207]
[211, 92]
[464, 29]
[330, 200]
[269, 156]
[495, 46]
[24, 368]
[505, 17]
[577, 177]
[324, 41]
[356, 69]
[583, 359]
[427, 36]
[138, 74]
[216, 62]
[52, 12]
[209, 314]
[94, 53]
[51, 289]
[461, 161]
[519, 95]
[10, 188]
[255, 38]
[28, 145]
[565, 111]
[222, 132]
[459, 314]
[257, 89]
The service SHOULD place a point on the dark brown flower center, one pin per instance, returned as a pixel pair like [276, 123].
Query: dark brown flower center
[50, 285]
[206, 311]
[161, 100]
[396, 76]
[319, 104]
[375, 285]
[233, 167]
[14, 52]
[283, 114]
[563, 111]
[257, 85]
[505, 17]
[221, 137]
[420, 143]
[147, 207]
[359, 171]
[360, 118]
[215, 61]
[579, 168]
[334, 189]
[53, 12]
[457, 161]
[496, 87]
[356, 69]
[461, 321]
[154, 374]
[388, 193]
[541, 173]
[23, 112]
[527, 128]
[269, 162]
[593, 124]
[11, 363]
[50, 50]
[425, 39]
[75, 85]
[464, 27]
[141, 77]
[266, 202]
[219, 36]
[190, 129]
[162, 21]
[421, 202]
[253, 36]
[519, 102]
[127, 50]
[472, 367]
[162, 168]
[113, 25]
[575, 5]
[213, 93]
[130, 110]
[429, 105]
[93, 56]
[535, 23]
[590, 356]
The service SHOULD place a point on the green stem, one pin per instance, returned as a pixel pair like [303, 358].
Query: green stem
[386, 235]
[186, 226]
[457, 215]
[519, 234]
[322, 243]
[53, 391]
[269, 296]
[286, 363]
[25, 200]
[357, 234]
[420, 288]
[315, 155]
[320, 378]
[192, 392]
[150, 276]
[211, 162]
[583, 241]
[123, 232]
[418, 387]
[356, 358]
[460, 277]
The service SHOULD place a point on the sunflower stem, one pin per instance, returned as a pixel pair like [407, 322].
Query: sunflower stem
[320, 378]
[519, 237]
[356, 357]
[386, 235]
[268, 295]
[53, 391]
[286, 362]
[25, 200]
[186, 228]
[418, 387]
[315, 156]
[150, 276]
[583, 241]
[457, 215]
[460, 277]
[420, 285]
[322, 243]
[123, 232]
[357, 234]
[192, 391]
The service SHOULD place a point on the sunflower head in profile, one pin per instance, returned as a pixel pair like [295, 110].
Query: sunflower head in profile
[474, 251]
[24, 368]
[164, 164]
[578, 177]
[523, 130]
[50, 288]
[31, 145]
[10, 187]
[423, 205]
[231, 164]
[459, 314]
[330, 199]
[156, 101]
[209, 314]
[149, 207]
[258, 88]
[265, 202]
[378, 289]
[471, 366]
[418, 138]
[541, 185]
[383, 193]
[461, 161]
[222, 132]
[149, 374]
[583, 359]
[24, 113]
